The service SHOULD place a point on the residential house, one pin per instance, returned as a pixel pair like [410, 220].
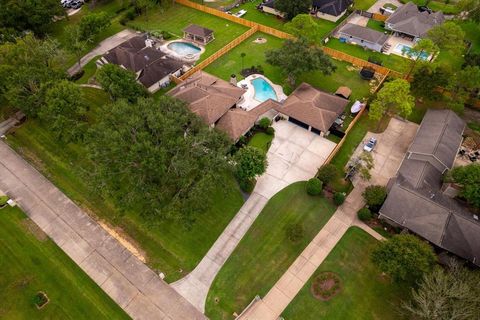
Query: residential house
[198, 34]
[268, 6]
[417, 199]
[313, 109]
[409, 21]
[152, 67]
[331, 10]
[363, 36]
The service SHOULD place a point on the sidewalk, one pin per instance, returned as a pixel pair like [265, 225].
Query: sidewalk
[130, 283]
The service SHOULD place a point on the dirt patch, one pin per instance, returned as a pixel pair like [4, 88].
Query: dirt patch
[125, 240]
[326, 285]
[31, 227]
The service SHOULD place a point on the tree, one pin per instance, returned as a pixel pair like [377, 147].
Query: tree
[328, 173]
[242, 56]
[470, 9]
[338, 198]
[264, 123]
[418, 51]
[314, 187]
[143, 6]
[293, 8]
[35, 16]
[462, 85]
[448, 36]
[374, 196]
[74, 42]
[92, 24]
[250, 162]
[157, 157]
[364, 214]
[393, 96]
[365, 164]
[404, 257]
[468, 177]
[297, 56]
[64, 111]
[304, 26]
[120, 83]
[428, 78]
[446, 294]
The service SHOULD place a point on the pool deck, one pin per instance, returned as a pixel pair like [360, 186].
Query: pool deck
[188, 58]
[249, 102]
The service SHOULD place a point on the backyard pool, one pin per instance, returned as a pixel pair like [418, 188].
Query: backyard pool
[263, 90]
[184, 48]
[403, 50]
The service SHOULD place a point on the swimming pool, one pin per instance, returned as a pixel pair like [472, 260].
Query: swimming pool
[263, 90]
[184, 48]
[403, 49]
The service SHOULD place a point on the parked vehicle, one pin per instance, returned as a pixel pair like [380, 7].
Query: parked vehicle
[370, 145]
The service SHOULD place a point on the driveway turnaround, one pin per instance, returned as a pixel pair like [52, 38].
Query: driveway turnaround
[131, 284]
[103, 47]
[392, 146]
[295, 155]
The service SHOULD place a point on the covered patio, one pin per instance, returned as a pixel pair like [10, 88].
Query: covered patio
[198, 34]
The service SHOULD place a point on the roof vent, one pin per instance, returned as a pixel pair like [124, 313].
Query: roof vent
[475, 217]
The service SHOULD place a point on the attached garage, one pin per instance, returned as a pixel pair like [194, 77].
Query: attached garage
[298, 123]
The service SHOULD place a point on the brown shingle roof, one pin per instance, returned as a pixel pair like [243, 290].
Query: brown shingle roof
[313, 107]
[344, 92]
[198, 30]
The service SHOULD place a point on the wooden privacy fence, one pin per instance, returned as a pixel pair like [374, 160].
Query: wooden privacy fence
[219, 53]
[379, 17]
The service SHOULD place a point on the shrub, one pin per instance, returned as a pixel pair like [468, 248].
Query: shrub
[314, 187]
[364, 214]
[295, 232]
[264, 123]
[339, 198]
[327, 173]
[270, 131]
[166, 35]
[3, 200]
[375, 196]
[247, 185]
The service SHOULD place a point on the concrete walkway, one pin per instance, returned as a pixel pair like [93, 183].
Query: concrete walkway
[392, 145]
[295, 155]
[131, 284]
[103, 47]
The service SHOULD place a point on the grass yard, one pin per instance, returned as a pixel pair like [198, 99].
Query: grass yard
[177, 17]
[376, 25]
[446, 6]
[169, 247]
[258, 16]
[265, 252]
[31, 262]
[261, 140]
[363, 4]
[89, 71]
[472, 31]
[364, 295]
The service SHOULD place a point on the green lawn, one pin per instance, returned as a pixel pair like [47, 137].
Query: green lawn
[90, 69]
[169, 247]
[261, 140]
[472, 31]
[446, 6]
[30, 262]
[376, 25]
[177, 17]
[265, 252]
[364, 295]
[363, 4]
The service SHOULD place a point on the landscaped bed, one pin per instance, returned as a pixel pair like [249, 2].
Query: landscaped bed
[169, 247]
[261, 140]
[365, 293]
[267, 250]
[39, 281]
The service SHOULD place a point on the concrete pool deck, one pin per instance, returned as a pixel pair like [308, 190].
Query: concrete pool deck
[188, 58]
[249, 102]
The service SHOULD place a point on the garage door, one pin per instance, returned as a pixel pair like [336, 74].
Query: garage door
[298, 123]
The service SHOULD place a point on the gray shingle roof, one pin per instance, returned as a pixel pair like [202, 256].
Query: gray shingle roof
[198, 30]
[331, 7]
[408, 19]
[364, 33]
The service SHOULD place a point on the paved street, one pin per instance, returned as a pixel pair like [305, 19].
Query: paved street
[295, 155]
[130, 283]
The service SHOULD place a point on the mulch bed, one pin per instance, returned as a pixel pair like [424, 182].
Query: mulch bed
[326, 285]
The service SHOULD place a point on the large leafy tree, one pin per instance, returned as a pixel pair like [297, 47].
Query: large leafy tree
[120, 83]
[469, 179]
[304, 26]
[404, 257]
[428, 78]
[298, 56]
[27, 67]
[462, 85]
[74, 42]
[470, 8]
[157, 157]
[448, 36]
[293, 7]
[393, 96]
[29, 15]
[250, 162]
[92, 24]
[64, 111]
[417, 52]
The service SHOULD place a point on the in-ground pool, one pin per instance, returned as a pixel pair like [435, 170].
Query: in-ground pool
[263, 90]
[184, 48]
[402, 49]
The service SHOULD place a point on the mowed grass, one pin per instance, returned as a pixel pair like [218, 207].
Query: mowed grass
[261, 140]
[265, 252]
[177, 17]
[169, 247]
[29, 265]
[365, 294]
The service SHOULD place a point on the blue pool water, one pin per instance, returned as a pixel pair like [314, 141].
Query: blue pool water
[184, 48]
[401, 48]
[263, 90]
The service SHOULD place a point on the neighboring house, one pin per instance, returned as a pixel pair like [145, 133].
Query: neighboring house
[363, 36]
[417, 198]
[331, 10]
[215, 101]
[269, 7]
[198, 34]
[152, 67]
[409, 21]
[313, 109]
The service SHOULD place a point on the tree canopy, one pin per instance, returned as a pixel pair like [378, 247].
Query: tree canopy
[393, 96]
[298, 56]
[92, 24]
[404, 257]
[293, 8]
[119, 83]
[471, 8]
[428, 77]
[157, 157]
[304, 26]
[448, 36]
[249, 162]
[469, 179]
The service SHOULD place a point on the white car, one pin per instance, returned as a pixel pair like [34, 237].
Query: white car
[370, 145]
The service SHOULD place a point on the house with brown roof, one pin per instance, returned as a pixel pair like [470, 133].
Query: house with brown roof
[417, 198]
[313, 109]
[152, 67]
[198, 34]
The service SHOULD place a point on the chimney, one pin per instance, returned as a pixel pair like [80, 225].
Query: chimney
[233, 80]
